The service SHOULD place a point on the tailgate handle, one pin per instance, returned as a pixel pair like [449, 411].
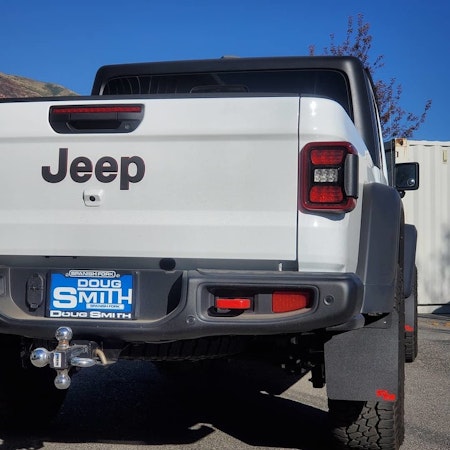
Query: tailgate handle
[73, 119]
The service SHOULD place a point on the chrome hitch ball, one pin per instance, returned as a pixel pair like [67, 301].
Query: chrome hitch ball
[62, 380]
[63, 335]
[40, 357]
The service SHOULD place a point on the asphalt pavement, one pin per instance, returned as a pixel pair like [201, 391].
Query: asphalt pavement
[134, 405]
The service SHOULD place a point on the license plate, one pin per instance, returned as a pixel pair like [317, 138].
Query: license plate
[91, 294]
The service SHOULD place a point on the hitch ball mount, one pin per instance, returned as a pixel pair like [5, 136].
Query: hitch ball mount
[66, 355]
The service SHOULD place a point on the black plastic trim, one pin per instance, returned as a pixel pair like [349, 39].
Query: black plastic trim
[161, 317]
[381, 226]
[351, 175]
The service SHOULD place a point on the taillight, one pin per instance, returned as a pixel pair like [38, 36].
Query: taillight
[328, 177]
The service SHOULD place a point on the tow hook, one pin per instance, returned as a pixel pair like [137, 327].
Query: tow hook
[65, 356]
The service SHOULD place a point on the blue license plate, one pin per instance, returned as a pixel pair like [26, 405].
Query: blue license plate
[91, 294]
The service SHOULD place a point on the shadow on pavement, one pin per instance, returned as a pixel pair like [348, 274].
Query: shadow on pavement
[135, 403]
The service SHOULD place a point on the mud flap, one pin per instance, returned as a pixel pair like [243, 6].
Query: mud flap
[364, 364]
[410, 259]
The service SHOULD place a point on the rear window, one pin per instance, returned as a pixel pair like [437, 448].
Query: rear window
[319, 83]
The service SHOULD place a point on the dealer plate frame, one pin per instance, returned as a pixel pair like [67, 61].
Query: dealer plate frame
[91, 294]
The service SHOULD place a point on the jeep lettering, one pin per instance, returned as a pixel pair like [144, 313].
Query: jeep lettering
[132, 169]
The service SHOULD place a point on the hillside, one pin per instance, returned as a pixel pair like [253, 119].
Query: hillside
[15, 86]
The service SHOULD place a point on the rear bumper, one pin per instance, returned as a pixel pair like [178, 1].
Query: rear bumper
[179, 305]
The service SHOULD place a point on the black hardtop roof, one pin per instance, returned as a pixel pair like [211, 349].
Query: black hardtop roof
[348, 64]
[358, 78]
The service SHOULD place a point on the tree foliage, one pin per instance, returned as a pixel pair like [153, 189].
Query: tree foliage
[395, 121]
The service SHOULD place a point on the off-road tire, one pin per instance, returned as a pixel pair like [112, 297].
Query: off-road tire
[370, 424]
[367, 425]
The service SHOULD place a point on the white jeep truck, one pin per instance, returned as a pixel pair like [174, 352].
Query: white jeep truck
[202, 209]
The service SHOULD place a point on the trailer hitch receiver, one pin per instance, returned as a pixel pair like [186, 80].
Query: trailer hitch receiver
[67, 355]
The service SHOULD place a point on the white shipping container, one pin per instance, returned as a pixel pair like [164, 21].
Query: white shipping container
[428, 209]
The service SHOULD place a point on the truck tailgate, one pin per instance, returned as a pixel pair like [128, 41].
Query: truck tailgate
[218, 179]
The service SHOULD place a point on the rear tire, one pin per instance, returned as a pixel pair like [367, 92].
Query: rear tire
[367, 425]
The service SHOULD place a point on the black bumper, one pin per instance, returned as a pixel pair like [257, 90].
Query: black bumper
[175, 305]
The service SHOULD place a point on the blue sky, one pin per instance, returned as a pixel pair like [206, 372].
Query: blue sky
[64, 42]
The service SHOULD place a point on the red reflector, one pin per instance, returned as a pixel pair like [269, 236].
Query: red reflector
[327, 157]
[409, 328]
[386, 395]
[96, 109]
[233, 303]
[290, 301]
[326, 194]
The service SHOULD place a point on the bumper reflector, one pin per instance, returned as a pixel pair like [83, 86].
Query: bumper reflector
[233, 303]
[290, 301]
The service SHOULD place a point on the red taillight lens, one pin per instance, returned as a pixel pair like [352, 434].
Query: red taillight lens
[290, 301]
[326, 194]
[325, 157]
[328, 177]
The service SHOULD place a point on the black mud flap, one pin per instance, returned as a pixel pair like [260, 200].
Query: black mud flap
[410, 259]
[364, 364]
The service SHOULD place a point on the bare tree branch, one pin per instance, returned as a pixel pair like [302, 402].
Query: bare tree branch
[395, 121]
